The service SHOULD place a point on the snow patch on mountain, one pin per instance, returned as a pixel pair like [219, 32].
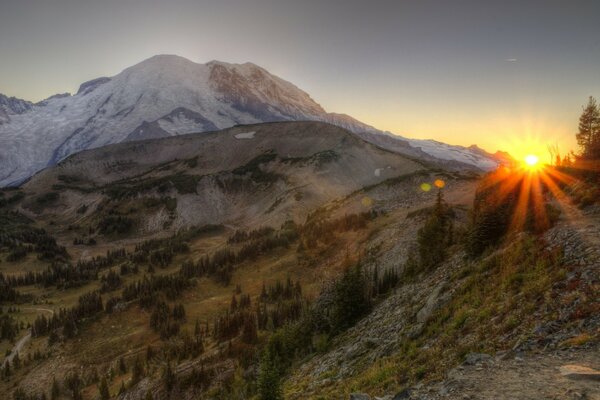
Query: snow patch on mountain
[245, 135]
[460, 154]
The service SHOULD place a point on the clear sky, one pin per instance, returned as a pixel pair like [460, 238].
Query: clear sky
[502, 74]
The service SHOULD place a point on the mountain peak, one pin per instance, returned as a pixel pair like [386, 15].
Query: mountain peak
[169, 95]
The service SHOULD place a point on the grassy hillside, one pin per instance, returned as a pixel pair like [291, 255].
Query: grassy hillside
[105, 265]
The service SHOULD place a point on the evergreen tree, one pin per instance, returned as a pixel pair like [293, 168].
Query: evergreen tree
[197, 329]
[351, 298]
[122, 389]
[19, 394]
[436, 235]
[74, 384]
[137, 372]
[149, 354]
[122, 366]
[169, 378]
[6, 370]
[103, 389]
[54, 390]
[16, 361]
[52, 338]
[588, 136]
[269, 386]
[249, 330]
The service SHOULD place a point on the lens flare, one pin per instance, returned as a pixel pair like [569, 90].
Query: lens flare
[532, 160]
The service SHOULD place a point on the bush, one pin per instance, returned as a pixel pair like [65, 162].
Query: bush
[115, 224]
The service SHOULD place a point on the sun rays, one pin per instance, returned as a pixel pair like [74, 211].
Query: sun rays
[531, 186]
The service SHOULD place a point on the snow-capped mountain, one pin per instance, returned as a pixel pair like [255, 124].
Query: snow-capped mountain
[166, 96]
[12, 106]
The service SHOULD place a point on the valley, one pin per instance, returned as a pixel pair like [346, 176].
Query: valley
[167, 268]
[115, 202]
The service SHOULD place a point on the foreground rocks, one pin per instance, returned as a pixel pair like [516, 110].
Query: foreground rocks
[566, 374]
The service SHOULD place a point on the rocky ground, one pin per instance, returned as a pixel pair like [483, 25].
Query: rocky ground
[548, 364]
[563, 374]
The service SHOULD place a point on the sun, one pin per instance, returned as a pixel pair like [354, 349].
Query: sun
[532, 161]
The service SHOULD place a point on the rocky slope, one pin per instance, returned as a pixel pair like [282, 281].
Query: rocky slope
[550, 351]
[168, 96]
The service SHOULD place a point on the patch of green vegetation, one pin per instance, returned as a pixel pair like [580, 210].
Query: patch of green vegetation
[19, 237]
[9, 200]
[501, 208]
[392, 181]
[69, 179]
[60, 187]
[319, 159]
[115, 224]
[170, 203]
[47, 198]
[183, 184]
[254, 170]
[191, 162]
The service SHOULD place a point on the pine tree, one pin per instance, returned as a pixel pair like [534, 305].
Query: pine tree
[54, 390]
[197, 329]
[588, 136]
[149, 354]
[6, 370]
[122, 389]
[351, 299]
[103, 389]
[16, 361]
[137, 372]
[122, 366]
[169, 378]
[436, 235]
[269, 386]
[73, 383]
[52, 338]
[249, 331]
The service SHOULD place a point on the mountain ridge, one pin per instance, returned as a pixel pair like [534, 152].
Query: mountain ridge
[169, 95]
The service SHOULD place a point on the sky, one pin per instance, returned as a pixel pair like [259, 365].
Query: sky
[510, 75]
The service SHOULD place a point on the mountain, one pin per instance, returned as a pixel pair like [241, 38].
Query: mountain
[299, 238]
[12, 106]
[168, 96]
[271, 172]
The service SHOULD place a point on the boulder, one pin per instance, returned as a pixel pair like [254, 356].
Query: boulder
[476, 358]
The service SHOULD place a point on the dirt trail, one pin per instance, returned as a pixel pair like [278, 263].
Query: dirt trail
[523, 377]
[18, 347]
